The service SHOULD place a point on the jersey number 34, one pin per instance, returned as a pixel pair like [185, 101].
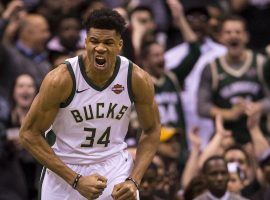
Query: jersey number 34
[90, 138]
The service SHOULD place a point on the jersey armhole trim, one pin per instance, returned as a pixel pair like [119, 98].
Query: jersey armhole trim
[69, 99]
[129, 82]
[43, 172]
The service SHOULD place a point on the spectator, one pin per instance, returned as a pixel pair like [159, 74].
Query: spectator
[168, 83]
[24, 91]
[33, 36]
[231, 81]
[52, 11]
[257, 15]
[10, 21]
[216, 147]
[216, 13]
[217, 177]
[239, 155]
[153, 61]
[198, 19]
[264, 193]
[222, 143]
[68, 36]
[149, 183]
[196, 187]
[142, 28]
[29, 54]
[23, 94]
[236, 178]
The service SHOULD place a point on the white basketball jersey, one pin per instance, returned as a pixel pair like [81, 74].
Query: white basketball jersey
[92, 124]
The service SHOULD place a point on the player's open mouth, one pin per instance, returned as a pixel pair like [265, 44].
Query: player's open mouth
[100, 61]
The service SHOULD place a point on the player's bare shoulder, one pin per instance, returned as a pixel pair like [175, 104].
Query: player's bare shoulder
[59, 76]
[142, 85]
[57, 83]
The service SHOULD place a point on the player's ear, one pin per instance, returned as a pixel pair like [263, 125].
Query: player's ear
[120, 44]
[85, 42]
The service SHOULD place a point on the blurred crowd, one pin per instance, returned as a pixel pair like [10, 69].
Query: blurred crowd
[210, 64]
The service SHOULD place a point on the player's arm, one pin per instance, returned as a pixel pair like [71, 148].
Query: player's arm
[148, 115]
[55, 89]
[147, 111]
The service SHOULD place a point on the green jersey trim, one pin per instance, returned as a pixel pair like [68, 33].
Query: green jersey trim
[50, 137]
[90, 83]
[129, 82]
[41, 182]
[69, 99]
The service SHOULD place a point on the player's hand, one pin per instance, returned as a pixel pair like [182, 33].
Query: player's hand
[125, 190]
[92, 186]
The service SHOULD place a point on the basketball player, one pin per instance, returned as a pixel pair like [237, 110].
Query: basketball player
[88, 101]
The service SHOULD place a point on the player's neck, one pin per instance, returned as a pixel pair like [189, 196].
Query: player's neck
[99, 78]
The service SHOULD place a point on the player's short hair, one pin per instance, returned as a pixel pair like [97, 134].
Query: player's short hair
[105, 19]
